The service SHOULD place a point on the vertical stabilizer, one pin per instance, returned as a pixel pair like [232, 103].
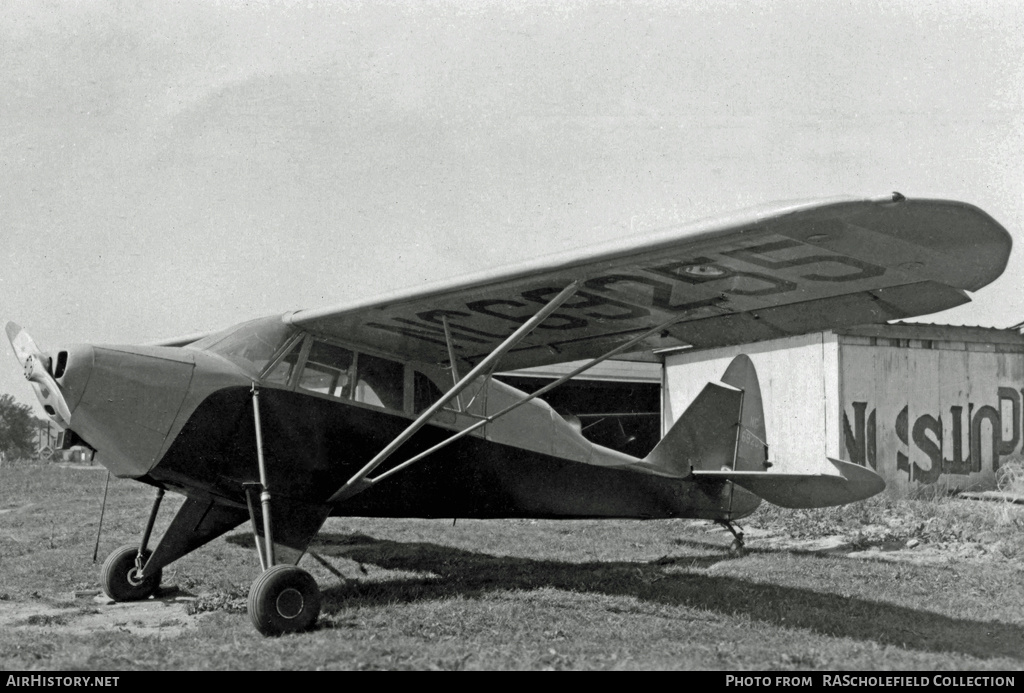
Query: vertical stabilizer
[704, 437]
[722, 429]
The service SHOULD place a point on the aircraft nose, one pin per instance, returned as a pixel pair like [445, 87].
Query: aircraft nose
[124, 400]
[72, 368]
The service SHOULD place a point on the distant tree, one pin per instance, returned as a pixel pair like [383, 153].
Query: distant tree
[17, 428]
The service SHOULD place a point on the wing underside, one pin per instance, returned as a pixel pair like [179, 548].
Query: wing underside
[793, 270]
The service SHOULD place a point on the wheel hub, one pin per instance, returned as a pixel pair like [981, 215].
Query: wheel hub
[290, 603]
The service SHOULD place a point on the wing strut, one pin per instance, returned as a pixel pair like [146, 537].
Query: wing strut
[451, 360]
[359, 482]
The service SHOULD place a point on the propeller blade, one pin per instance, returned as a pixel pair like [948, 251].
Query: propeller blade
[37, 372]
[21, 342]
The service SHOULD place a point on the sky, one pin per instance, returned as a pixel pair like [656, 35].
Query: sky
[173, 167]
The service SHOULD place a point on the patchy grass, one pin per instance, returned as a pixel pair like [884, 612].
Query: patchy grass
[1010, 476]
[520, 594]
[930, 519]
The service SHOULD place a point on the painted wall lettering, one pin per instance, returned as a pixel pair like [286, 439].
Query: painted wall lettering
[959, 441]
[861, 441]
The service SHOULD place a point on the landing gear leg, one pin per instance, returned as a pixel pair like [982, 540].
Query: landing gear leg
[284, 598]
[737, 548]
[122, 576]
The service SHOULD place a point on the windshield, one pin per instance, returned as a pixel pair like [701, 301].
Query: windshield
[250, 345]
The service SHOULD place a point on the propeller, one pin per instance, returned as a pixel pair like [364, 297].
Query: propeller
[37, 372]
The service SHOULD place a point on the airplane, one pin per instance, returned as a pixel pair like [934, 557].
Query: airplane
[388, 406]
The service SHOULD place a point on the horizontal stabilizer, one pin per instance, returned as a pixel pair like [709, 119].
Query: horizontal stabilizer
[849, 484]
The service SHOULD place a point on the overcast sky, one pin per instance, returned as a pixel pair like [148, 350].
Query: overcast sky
[170, 167]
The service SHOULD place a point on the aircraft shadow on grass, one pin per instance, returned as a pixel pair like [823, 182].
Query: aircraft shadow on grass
[455, 571]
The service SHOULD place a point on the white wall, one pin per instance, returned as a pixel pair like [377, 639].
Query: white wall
[799, 385]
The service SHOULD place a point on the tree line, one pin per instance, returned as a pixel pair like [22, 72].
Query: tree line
[17, 428]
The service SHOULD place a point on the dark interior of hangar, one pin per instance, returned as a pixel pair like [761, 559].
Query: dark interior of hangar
[623, 416]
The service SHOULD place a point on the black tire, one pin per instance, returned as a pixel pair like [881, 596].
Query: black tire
[737, 549]
[118, 576]
[284, 599]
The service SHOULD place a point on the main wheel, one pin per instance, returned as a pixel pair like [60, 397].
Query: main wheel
[120, 580]
[284, 599]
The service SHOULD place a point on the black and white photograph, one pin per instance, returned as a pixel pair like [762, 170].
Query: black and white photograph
[541, 335]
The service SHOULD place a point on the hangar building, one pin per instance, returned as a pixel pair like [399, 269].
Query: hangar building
[920, 404]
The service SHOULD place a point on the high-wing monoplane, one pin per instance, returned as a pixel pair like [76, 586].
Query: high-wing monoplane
[389, 407]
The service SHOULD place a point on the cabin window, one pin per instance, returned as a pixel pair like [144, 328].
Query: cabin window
[250, 345]
[425, 392]
[381, 382]
[328, 370]
[281, 373]
[332, 370]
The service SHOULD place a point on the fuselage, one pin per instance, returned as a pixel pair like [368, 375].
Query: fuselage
[182, 418]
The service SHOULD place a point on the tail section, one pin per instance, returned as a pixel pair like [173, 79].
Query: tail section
[721, 438]
[704, 437]
[722, 429]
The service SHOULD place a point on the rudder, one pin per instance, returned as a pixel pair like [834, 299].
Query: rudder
[752, 448]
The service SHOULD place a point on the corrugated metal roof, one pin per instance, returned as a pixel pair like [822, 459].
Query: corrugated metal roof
[946, 333]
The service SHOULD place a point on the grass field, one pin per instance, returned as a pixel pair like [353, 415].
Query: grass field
[886, 584]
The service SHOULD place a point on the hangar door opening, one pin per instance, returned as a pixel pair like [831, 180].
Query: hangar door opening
[618, 403]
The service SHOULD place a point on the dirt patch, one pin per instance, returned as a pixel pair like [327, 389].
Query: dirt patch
[18, 509]
[873, 544]
[165, 615]
[996, 496]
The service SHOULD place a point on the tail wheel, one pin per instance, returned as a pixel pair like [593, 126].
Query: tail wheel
[120, 578]
[284, 599]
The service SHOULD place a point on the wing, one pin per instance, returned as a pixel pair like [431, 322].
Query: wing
[767, 273]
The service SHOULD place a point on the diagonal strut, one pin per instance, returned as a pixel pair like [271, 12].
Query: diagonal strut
[358, 481]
